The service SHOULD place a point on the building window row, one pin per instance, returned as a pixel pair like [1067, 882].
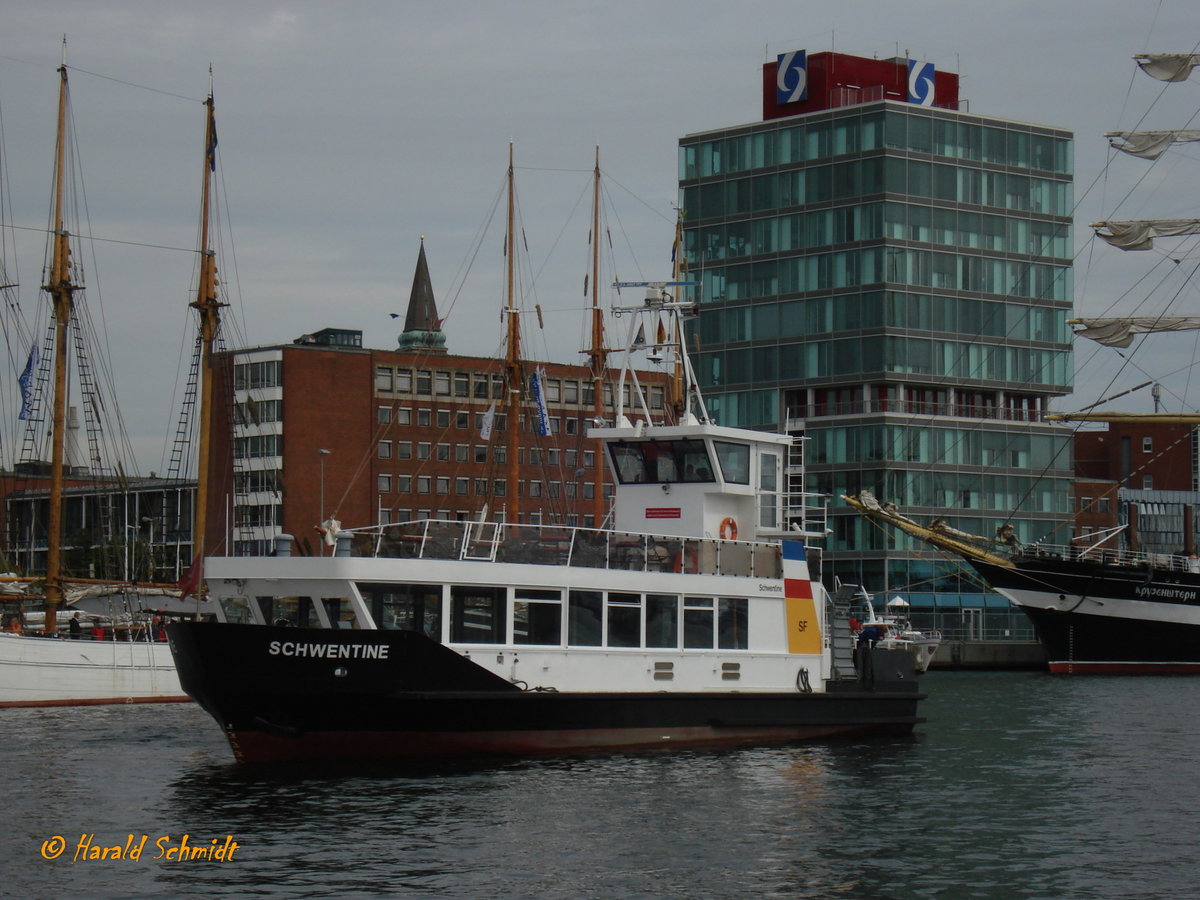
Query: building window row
[867, 356]
[463, 385]
[912, 488]
[257, 481]
[811, 316]
[940, 446]
[874, 221]
[820, 137]
[257, 412]
[876, 265]
[257, 446]
[850, 180]
[265, 374]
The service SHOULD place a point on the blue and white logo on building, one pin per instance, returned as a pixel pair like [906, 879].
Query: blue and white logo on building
[791, 77]
[920, 83]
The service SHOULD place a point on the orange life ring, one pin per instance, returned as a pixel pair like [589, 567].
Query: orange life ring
[728, 529]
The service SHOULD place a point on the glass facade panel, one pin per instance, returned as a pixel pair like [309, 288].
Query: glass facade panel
[936, 317]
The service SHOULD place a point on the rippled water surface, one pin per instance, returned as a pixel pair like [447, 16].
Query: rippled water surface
[1019, 785]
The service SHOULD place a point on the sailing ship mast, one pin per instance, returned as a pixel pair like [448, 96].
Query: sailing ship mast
[62, 299]
[597, 355]
[514, 372]
[1139, 235]
[208, 309]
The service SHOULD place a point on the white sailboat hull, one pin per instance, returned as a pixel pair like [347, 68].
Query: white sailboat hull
[36, 671]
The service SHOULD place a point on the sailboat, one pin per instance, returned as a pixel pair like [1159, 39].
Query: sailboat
[1098, 609]
[45, 669]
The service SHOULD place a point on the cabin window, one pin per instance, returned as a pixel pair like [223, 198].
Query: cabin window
[406, 607]
[584, 621]
[698, 623]
[537, 617]
[734, 460]
[296, 611]
[768, 486]
[732, 620]
[662, 620]
[477, 615]
[624, 620]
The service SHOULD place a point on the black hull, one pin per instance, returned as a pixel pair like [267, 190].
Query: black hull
[424, 701]
[1097, 618]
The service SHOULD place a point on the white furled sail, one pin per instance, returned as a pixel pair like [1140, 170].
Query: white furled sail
[1149, 144]
[1139, 234]
[1120, 332]
[1168, 66]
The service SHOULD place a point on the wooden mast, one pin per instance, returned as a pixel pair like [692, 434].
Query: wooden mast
[61, 291]
[208, 308]
[514, 380]
[598, 355]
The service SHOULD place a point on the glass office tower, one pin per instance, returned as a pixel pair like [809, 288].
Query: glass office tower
[891, 277]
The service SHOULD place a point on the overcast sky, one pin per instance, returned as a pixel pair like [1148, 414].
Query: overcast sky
[349, 129]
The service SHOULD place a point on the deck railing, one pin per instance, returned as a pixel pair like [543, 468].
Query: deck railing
[1115, 557]
[558, 545]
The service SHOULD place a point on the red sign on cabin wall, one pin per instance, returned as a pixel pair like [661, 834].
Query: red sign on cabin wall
[662, 512]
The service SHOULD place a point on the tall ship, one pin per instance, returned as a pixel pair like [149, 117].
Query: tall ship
[1099, 604]
[40, 663]
[691, 621]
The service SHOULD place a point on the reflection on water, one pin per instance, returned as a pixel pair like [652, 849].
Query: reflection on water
[1019, 785]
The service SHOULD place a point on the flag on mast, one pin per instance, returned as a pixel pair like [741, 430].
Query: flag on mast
[489, 417]
[25, 380]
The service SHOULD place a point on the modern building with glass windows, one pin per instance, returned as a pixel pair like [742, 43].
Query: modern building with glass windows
[889, 275]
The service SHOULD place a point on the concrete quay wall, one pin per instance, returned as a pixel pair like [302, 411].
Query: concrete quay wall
[990, 655]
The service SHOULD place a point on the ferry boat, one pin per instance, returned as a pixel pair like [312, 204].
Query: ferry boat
[692, 621]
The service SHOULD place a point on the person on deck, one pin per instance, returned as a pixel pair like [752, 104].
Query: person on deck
[75, 627]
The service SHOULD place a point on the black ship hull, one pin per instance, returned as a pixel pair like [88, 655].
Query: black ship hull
[352, 694]
[1101, 618]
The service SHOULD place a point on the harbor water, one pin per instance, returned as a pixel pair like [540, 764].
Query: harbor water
[1020, 784]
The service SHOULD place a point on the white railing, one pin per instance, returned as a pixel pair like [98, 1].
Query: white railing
[558, 545]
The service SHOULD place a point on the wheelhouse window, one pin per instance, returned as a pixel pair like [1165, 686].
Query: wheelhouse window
[537, 617]
[734, 460]
[661, 461]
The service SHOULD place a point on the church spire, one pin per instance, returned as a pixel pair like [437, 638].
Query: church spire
[422, 327]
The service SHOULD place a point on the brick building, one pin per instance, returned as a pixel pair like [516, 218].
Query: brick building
[325, 428]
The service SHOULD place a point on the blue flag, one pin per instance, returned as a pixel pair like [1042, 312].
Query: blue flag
[26, 382]
[539, 398]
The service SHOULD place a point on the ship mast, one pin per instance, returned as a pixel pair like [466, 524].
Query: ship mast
[513, 369]
[677, 399]
[598, 355]
[208, 309]
[61, 291]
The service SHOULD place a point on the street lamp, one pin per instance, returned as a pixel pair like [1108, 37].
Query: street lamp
[321, 454]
